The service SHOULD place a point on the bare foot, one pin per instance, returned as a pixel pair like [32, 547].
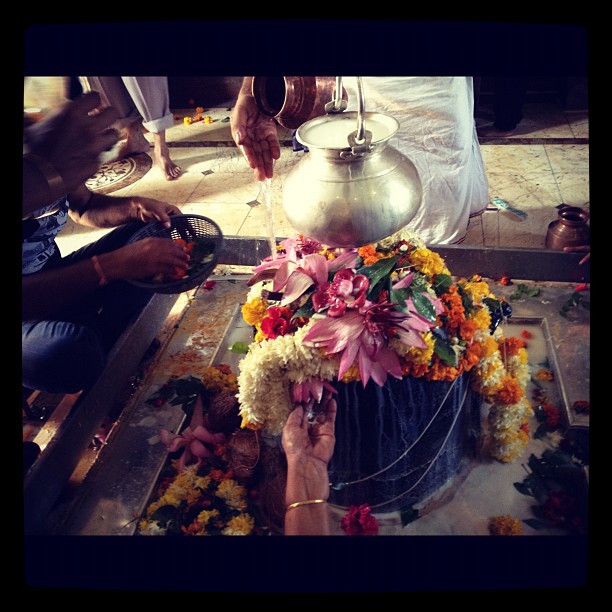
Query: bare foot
[134, 141]
[162, 158]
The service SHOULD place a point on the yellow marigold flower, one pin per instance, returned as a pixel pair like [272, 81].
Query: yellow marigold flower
[478, 290]
[418, 355]
[505, 525]
[208, 119]
[187, 120]
[351, 375]
[482, 318]
[243, 524]
[216, 381]
[254, 311]
[428, 262]
[489, 347]
[233, 494]
[206, 516]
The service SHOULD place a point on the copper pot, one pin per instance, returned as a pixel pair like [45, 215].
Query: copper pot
[293, 100]
[570, 229]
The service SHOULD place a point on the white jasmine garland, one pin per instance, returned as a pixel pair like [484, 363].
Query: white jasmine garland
[266, 372]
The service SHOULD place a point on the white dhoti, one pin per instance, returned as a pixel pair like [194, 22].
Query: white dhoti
[438, 134]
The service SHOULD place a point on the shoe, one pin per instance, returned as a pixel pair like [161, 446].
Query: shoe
[493, 132]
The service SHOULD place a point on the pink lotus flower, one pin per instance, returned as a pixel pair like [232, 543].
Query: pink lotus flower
[193, 439]
[363, 335]
[300, 268]
[310, 391]
[347, 290]
[193, 442]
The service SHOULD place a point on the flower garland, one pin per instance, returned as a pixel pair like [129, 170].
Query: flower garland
[385, 309]
[202, 499]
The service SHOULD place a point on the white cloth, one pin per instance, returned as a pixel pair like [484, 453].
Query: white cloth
[143, 97]
[438, 134]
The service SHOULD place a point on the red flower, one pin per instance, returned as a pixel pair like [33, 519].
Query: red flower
[277, 322]
[552, 414]
[359, 522]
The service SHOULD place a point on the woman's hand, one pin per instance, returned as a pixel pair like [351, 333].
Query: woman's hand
[256, 136]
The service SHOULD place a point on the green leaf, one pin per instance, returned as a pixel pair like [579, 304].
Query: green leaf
[535, 523]
[165, 514]
[541, 432]
[441, 283]
[522, 488]
[443, 350]
[240, 347]
[305, 311]
[379, 271]
[424, 306]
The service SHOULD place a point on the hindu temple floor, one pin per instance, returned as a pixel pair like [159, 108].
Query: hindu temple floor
[543, 164]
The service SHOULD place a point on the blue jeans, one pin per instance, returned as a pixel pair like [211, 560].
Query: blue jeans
[66, 354]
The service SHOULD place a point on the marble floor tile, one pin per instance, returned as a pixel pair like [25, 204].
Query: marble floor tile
[568, 158]
[574, 188]
[519, 158]
[525, 191]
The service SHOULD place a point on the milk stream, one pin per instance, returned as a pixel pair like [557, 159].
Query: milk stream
[267, 196]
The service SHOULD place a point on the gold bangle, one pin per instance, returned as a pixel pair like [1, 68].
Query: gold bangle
[52, 176]
[306, 502]
[99, 271]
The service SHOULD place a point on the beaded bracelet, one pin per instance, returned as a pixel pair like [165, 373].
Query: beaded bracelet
[305, 503]
[99, 271]
[52, 176]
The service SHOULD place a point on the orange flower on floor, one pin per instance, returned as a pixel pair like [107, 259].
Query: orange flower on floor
[505, 525]
[545, 375]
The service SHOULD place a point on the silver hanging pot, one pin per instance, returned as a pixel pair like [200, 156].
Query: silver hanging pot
[352, 188]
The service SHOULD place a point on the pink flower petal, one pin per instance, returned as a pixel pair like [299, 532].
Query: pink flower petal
[347, 259]
[296, 285]
[283, 273]
[404, 283]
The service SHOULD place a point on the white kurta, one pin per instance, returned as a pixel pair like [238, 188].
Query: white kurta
[438, 134]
